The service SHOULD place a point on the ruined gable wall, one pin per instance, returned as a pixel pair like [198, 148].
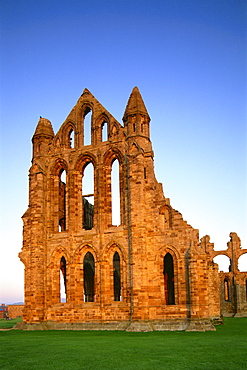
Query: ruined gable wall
[150, 228]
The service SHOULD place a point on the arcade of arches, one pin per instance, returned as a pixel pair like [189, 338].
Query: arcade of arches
[123, 257]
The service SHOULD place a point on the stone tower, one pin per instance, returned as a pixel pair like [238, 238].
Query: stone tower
[150, 272]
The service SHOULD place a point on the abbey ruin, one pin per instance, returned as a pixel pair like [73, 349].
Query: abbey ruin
[149, 271]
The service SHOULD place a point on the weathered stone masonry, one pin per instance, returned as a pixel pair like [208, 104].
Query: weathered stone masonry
[151, 272]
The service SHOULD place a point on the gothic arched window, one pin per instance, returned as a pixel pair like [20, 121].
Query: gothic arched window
[88, 196]
[87, 126]
[89, 272]
[115, 193]
[116, 277]
[63, 280]
[104, 131]
[62, 201]
[72, 139]
[169, 279]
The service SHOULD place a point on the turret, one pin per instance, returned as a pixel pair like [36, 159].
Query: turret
[136, 118]
[42, 137]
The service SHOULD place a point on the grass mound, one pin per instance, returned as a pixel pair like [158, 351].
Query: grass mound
[225, 348]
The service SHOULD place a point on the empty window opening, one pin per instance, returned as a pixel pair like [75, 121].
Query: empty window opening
[72, 139]
[145, 173]
[169, 279]
[224, 262]
[63, 280]
[226, 290]
[88, 196]
[242, 263]
[115, 193]
[134, 127]
[89, 271]
[62, 201]
[104, 131]
[87, 127]
[142, 127]
[116, 277]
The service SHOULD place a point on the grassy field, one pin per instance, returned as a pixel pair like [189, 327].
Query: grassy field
[8, 324]
[224, 349]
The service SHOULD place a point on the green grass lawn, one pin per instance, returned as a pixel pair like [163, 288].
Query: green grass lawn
[8, 324]
[224, 349]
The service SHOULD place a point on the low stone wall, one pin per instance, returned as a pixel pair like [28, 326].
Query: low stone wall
[135, 326]
[15, 310]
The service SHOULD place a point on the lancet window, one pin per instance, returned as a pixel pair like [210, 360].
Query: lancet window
[169, 279]
[63, 280]
[62, 200]
[72, 139]
[104, 131]
[87, 126]
[117, 277]
[88, 196]
[88, 275]
[115, 193]
[68, 136]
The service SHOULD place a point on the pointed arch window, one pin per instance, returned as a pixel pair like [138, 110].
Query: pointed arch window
[226, 290]
[115, 193]
[63, 279]
[88, 274]
[62, 201]
[104, 131]
[169, 279]
[87, 126]
[116, 277]
[72, 139]
[88, 196]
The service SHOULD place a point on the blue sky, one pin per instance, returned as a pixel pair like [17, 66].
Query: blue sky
[188, 59]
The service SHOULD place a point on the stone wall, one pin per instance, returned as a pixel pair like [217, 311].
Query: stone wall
[164, 272]
[15, 310]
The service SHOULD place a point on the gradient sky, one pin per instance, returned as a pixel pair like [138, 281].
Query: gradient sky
[188, 59]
